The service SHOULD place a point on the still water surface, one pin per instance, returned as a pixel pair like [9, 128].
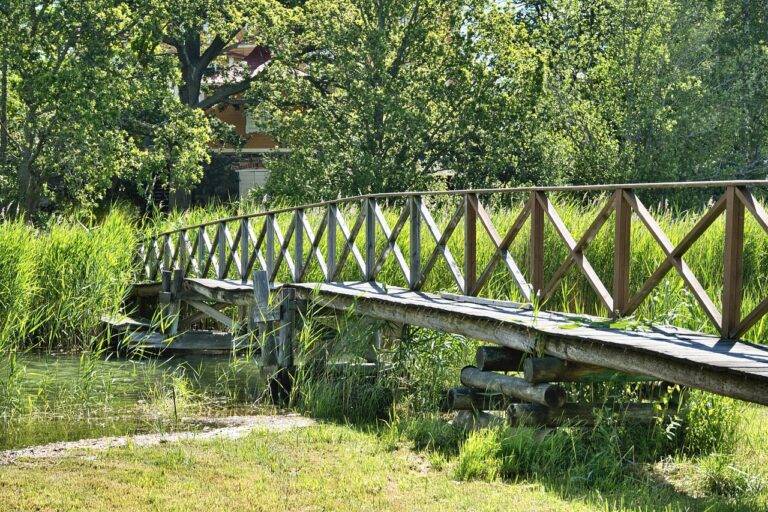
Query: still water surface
[46, 398]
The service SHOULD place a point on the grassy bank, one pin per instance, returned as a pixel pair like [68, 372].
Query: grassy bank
[323, 468]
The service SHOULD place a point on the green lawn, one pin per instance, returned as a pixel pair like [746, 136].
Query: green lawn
[326, 467]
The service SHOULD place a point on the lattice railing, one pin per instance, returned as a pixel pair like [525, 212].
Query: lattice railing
[288, 242]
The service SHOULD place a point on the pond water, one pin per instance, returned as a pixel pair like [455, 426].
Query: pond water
[46, 398]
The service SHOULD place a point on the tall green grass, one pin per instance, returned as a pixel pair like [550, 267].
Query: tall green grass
[58, 280]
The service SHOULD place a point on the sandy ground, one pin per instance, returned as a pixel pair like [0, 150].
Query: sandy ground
[231, 427]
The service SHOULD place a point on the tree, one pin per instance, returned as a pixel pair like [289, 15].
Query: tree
[201, 31]
[652, 90]
[394, 93]
[74, 81]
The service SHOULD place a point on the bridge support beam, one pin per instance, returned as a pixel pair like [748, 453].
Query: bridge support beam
[676, 370]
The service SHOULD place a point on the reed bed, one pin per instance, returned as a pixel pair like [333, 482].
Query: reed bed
[57, 281]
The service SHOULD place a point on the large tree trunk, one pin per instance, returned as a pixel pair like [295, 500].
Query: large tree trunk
[28, 190]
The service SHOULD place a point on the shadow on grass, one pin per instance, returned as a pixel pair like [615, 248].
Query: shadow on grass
[600, 465]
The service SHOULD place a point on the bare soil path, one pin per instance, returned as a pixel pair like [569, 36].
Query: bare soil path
[231, 427]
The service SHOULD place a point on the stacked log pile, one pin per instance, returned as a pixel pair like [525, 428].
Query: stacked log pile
[529, 391]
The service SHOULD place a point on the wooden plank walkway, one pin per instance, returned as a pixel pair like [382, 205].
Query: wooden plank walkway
[731, 368]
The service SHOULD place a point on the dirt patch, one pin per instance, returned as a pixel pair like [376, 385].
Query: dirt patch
[231, 427]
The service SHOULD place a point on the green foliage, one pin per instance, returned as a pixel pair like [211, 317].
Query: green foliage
[88, 102]
[394, 93]
[59, 281]
[711, 423]
[721, 475]
[479, 457]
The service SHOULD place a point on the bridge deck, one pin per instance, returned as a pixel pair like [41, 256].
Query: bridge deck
[731, 368]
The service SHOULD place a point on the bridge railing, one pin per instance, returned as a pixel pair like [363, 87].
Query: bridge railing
[233, 247]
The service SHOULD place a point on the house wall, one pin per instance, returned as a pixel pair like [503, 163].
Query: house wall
[235, 116]
[251, 178]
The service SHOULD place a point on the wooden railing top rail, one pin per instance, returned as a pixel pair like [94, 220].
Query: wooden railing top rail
[479, 191]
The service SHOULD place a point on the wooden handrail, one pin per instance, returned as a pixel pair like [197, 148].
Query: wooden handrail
[483, 191]
[232, 248]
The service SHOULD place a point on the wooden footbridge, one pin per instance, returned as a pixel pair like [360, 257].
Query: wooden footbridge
[311, 253]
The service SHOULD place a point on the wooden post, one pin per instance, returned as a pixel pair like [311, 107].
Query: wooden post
[282, 380]
[165, 299]
[174, 308]
[270, 250]
[537, 244]
[534, 415]
[181, 261]
[298, 239]
[201, 250]
[415, 242]
[370, 238]
[330, 254]
[167, 252]
[622, 251]
[732, 263]
[467, 399]
[221, 247]
[470, 244]
[244, 256]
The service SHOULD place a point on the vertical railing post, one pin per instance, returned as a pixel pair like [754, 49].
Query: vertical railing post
[201, 251]
[183, 247]
[370, 238]
[153, 263]
[415, 242]
[537, 243]
[732, 263]
[221, 247]
[622, 237]
[270, 250]
[167, 252]
[330, 252]
[470, 243]
[244, 255]
[298, 240]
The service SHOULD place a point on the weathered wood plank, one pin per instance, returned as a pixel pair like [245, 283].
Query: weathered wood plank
[212, 313]
[471, 204]
[732, 263]
[622, 251]
[415, 242]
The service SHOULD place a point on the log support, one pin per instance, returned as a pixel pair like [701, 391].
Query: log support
[552, 369]
[550, 395]
[498, 359]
